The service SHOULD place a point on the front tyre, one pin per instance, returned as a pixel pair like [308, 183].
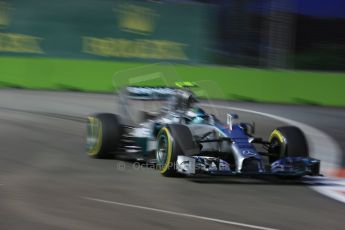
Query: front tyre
[288, 141]
[173, 140]
[103, 135]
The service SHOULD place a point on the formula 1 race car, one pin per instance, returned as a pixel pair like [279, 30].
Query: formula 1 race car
[183, 139]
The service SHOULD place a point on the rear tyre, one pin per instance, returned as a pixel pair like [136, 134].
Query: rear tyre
[173, 140]
[103, 135]
[288, 141]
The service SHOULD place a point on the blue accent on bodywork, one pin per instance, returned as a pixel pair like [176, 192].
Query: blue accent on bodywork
[240, 139]
[302, 165]
[235, 133]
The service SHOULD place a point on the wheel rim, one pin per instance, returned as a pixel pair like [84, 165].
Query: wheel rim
[162, 150]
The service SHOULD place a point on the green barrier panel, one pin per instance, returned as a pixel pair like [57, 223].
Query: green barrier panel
[236, 83]
[121, 30]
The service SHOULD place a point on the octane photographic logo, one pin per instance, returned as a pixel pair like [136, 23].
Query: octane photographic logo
[123, 166]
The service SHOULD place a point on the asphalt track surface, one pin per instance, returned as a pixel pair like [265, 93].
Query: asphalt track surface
[48, 182]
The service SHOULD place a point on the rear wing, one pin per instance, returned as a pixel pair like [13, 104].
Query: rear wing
[155, 93]
[149, 93]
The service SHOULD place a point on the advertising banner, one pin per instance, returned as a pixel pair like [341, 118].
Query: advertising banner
[122, 30]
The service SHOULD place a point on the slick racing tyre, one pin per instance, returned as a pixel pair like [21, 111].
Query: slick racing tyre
[103, 135]
[288, 141]
[173, 140]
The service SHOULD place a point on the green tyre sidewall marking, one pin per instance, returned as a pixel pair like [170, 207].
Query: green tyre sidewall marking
[94, 131]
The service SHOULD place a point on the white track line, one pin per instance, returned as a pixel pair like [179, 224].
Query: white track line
[321, 145]
[180, 214]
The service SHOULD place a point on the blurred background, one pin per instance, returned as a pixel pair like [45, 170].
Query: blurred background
[54, 44]
[274, 62]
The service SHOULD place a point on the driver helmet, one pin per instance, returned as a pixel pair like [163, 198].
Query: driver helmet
[185, 99]
[196, 114]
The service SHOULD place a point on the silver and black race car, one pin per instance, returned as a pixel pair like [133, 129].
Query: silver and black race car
[182, 139]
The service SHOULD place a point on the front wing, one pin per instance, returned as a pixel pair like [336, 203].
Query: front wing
[287, 166]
